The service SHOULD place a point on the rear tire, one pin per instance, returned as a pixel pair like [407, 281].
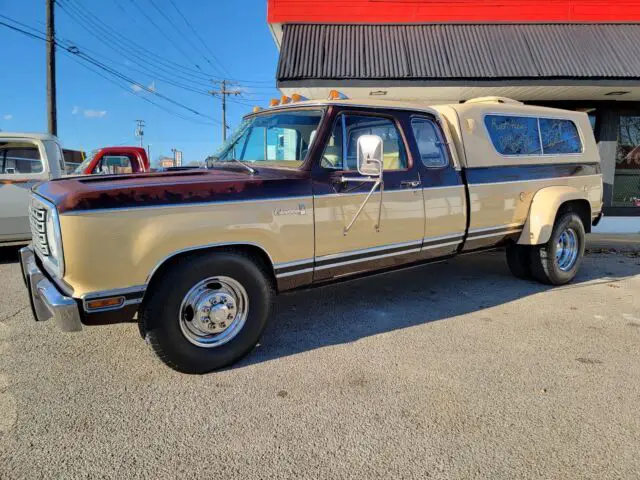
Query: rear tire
[557, 262]
[519, 260]
[207, 311]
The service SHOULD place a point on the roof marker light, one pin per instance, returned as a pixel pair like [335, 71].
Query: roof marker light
[256, 109]
[336, 95]
[296, 97]
[284, 100]
[274, 102]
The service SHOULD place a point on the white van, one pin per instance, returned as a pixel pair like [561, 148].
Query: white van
[25, 159]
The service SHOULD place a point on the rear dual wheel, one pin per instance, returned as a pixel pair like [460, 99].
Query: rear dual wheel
[555, 262]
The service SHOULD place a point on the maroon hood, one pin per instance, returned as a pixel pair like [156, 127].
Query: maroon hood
[172, 188]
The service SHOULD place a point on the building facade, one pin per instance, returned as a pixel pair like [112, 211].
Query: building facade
[575, 54]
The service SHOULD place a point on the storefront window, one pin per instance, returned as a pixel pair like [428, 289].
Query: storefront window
[626, 186]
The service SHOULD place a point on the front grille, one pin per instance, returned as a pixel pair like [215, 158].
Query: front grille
[38, 220]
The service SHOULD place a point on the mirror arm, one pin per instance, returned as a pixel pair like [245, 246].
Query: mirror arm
[377, 182]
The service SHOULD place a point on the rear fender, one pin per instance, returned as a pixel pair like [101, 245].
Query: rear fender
[543, 212]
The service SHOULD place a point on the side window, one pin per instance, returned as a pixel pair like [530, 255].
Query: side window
[559, 136]
[114, 164]
[513, 135]
[20, 158]
[429, 141]
[341, 149]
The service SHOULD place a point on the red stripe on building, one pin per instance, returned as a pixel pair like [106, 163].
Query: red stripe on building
[427, 11]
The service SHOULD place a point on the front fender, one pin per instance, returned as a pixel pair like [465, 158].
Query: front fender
[543, 211]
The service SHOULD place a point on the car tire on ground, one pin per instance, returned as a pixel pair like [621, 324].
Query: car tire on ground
[557, 261]
[519, 260]
[207, 311]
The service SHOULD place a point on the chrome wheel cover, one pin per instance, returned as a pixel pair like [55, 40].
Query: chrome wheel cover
[213, 311]
[567, 249]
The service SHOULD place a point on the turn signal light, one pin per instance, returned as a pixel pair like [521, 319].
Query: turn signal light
[284, 100]
[105, 303]
[274, 102]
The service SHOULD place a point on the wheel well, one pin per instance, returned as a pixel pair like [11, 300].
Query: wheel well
[580, 207]
[254, 252]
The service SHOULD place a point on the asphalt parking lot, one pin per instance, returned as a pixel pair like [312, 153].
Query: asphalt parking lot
[455, 370]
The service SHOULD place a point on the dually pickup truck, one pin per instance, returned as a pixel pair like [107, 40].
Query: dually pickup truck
[304, 193]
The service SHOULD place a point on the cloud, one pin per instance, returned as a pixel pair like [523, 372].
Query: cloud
[137, 88]
[8, 116]
[76, 110]
[95, 113]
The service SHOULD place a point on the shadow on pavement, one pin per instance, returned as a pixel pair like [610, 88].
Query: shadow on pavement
[346, 312]
[10, 254]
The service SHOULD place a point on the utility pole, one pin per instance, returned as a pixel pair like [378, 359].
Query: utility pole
[52, 114]
[223, 92]
[140, 130]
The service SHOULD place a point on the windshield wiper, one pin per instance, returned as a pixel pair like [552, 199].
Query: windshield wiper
[244, 165]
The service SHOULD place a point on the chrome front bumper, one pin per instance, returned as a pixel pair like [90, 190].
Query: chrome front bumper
[46, 300]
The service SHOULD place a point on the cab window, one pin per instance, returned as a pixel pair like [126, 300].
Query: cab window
[429, 142]
[340, 152]
[114, 164]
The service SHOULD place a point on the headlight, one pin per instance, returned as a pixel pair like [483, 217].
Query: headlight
[55, 260]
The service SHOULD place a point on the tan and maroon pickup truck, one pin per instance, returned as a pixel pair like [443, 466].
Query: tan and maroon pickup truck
[307, 193]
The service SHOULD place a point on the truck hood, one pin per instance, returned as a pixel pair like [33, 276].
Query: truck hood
[86, 193]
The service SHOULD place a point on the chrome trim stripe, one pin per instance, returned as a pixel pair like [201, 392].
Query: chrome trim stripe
[366, 259]
[279, 266]
[295, 272]
[443, 237]
[532, 180]
[182, 205]
[439, 245]
[498, 234]
[114, 293]
[496, 227]
[366, 250]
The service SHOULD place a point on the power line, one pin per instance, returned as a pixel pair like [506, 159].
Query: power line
[195, 32]
[177, 29]
[134, 52]
[71, 43]
[77, 55]
[175, 44]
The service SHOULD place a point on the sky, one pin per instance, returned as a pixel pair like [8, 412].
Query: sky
[153, 52]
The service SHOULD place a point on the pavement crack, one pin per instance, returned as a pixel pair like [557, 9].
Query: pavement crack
[11, 315]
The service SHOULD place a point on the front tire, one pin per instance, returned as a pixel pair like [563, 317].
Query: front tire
[207, 311]
[557, 262]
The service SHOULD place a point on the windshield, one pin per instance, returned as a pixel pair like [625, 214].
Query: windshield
[82, 167]
[279, 139]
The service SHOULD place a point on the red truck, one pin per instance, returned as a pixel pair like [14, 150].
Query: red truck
[115, 160]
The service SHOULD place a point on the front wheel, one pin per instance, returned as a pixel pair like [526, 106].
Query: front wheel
[207, 311]
[557, 262]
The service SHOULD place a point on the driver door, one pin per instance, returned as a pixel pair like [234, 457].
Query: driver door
[364, 247]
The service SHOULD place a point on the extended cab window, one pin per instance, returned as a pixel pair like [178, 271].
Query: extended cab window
[278, 139]
[429, 142]
[20, 158]
[513, 135]
[341, 149]
[559, 136]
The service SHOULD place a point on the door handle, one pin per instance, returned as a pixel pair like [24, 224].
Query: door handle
[410, 183]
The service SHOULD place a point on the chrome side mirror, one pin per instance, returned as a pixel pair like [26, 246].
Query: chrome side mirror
[370, 165]
[370, 159]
